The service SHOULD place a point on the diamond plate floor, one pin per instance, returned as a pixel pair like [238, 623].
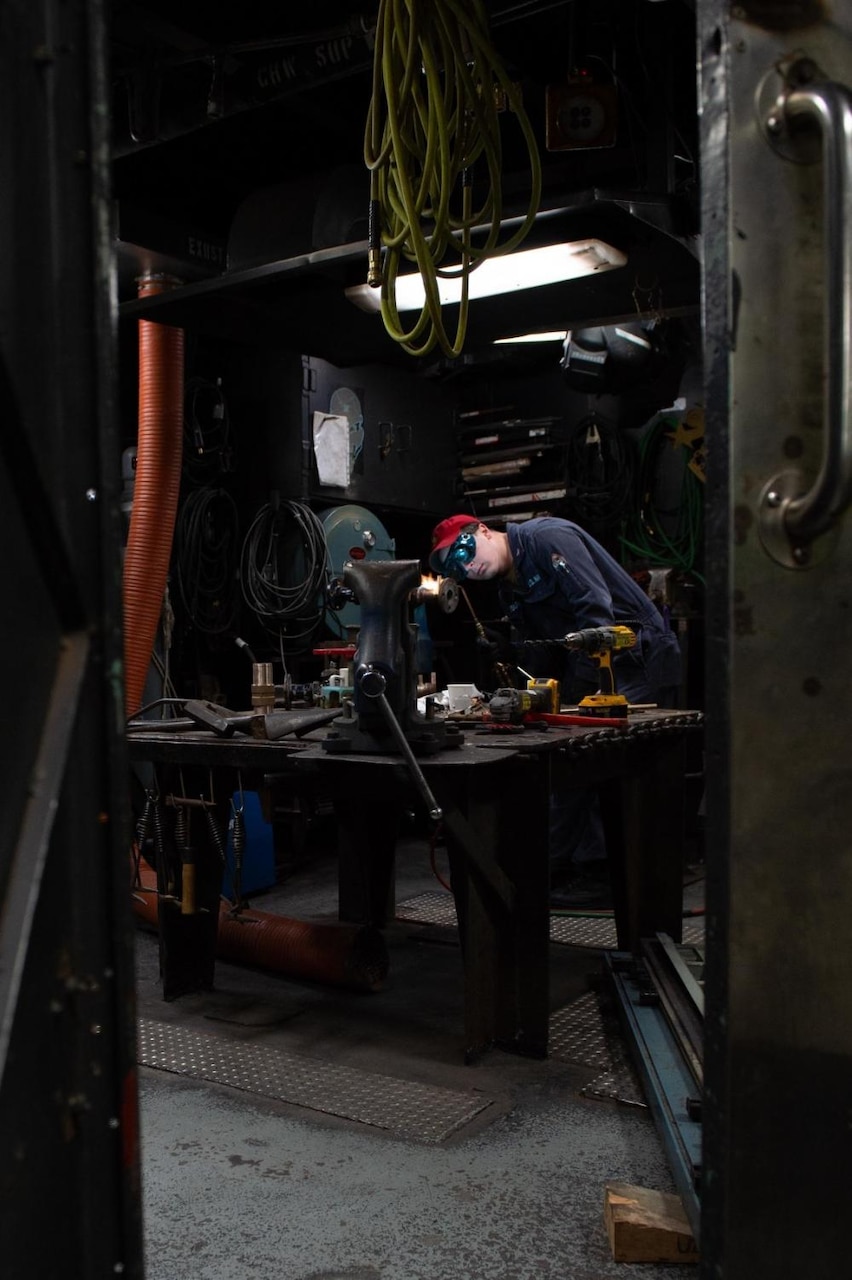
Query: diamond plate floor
[584, 1033]
[437, 907]
[287, 1127]
[424, 1113]
[587, 1032]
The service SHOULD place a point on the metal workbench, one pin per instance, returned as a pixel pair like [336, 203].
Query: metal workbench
[494, 793]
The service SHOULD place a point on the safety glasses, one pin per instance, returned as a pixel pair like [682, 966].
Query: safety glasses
[459, 556]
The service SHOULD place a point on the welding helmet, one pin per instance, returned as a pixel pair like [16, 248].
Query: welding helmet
[444, 535]
[609, 359]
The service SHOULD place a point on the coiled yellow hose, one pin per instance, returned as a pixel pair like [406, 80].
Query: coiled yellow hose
[438, 88]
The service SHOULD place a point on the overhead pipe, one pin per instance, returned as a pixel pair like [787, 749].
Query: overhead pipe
[336, 954]
[156, 489]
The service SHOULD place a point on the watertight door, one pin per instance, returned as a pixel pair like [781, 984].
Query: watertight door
[776, 159]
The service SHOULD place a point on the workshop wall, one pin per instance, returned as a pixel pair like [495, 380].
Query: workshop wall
[402, 436]
[254, 201]
[413, 454]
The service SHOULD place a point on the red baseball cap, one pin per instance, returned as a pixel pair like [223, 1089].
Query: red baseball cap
[445, 534]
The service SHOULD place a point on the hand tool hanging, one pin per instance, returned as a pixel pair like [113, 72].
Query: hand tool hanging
[238, 844]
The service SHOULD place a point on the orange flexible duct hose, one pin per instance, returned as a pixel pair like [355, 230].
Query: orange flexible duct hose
[155, 491]
[343, 955]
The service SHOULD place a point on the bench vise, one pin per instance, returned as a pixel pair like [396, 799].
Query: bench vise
[386, 718]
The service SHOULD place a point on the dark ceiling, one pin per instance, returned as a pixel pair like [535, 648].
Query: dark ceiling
[229, 122]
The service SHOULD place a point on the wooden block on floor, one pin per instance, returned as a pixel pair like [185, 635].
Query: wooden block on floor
[647, 1226]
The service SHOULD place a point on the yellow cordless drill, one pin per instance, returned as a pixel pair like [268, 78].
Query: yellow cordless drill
[598, 643]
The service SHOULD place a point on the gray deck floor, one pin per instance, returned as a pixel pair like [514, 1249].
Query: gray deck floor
[293, 1130]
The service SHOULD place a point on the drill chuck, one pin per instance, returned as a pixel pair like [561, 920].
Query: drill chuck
[595, 640]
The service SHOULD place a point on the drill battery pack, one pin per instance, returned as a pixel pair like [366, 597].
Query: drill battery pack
[604, 704]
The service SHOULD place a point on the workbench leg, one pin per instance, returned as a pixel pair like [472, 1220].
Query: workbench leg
[644, 826]
[368, 830]
[497, 843]
[189, 886]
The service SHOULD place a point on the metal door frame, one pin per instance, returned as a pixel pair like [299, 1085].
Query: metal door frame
[69, 1162]
[777, 1152]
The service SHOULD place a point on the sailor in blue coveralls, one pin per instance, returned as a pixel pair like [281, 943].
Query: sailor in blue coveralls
[555, 578]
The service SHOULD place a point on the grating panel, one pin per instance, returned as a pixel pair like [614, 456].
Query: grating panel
[693, 933]
[583, 931]
[585, 1032]
[436, 907]
[425, 1113]
[576, 931]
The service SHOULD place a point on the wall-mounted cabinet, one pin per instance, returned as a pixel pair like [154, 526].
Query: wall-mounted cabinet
[401, 429]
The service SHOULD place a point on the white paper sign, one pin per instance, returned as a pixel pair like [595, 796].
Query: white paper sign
[332, 448]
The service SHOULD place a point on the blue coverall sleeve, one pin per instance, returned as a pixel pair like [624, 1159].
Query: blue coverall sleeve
[581, 582]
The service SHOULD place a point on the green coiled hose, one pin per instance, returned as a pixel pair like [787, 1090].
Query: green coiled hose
[671, 537]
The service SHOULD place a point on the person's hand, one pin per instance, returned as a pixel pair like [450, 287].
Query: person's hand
[495, 646]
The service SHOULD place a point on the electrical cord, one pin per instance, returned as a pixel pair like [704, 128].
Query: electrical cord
[207, 559]
[283, 570]
[433, 117]
[167, 684]
[207, 448]
[599, 476]
[433, 845]
[152, 706]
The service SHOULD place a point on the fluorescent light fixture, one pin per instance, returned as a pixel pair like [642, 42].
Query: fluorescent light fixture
[554, 335]
[507, 273]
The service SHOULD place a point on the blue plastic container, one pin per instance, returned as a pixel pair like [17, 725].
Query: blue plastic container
[258, 871]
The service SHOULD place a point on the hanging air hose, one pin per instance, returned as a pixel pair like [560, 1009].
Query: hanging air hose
[433, 119]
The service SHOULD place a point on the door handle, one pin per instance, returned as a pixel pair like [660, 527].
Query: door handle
[791, 515]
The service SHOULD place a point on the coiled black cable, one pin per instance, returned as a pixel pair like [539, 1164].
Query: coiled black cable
[283, 569]
[207, 559]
